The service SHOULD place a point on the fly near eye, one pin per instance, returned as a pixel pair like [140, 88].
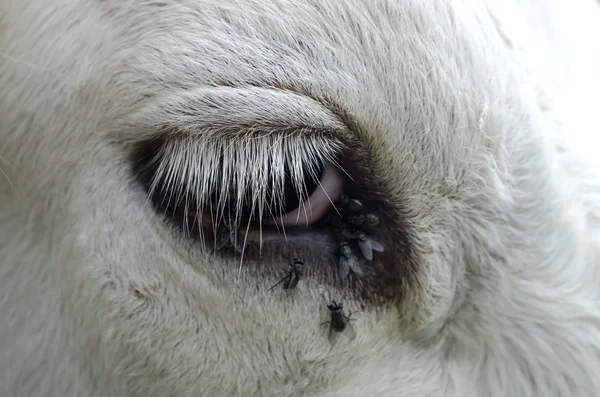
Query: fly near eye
[339, 323]
[294, 276]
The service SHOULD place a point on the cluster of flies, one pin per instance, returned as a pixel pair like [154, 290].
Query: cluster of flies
[352, 229]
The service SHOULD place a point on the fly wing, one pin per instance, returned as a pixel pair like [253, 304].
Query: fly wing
[300, 286]
[292, 281]
[349, 332]
[355, 266]
[334, 336]
[287, 277]
[344, 268]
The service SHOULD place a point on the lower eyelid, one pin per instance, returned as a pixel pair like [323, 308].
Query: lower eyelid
[318, 241]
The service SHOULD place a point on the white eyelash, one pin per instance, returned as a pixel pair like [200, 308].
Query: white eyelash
[195, 167]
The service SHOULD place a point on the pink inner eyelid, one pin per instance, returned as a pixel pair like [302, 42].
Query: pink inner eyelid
[319, 203]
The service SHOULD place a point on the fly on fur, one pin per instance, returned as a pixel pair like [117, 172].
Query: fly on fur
[294, 277]
[339, 324]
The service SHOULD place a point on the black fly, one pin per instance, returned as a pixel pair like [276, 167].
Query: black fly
[293, 277]
[339, 323]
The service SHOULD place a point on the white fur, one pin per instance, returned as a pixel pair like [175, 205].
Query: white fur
[482, 116]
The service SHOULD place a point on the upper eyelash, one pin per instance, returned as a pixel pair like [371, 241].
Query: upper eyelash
[191, 169]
